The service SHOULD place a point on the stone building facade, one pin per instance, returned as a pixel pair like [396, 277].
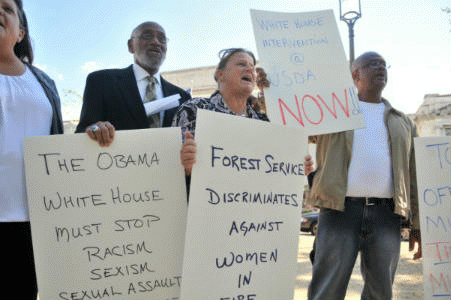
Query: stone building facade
[433, 117]
[200, 81]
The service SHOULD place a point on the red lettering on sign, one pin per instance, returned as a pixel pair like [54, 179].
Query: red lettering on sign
[300, 113]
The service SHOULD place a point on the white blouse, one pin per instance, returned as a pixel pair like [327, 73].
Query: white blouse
[24, 111]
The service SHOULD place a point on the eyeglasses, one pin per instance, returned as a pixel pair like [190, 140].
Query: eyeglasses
[376, 64]
[150, 35]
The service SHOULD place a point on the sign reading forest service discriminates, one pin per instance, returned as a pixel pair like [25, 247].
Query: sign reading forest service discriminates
[244, 210]
[311, 83]
[107, 223]
[433, 161]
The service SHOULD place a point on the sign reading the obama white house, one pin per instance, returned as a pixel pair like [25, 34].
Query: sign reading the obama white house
[107, 222]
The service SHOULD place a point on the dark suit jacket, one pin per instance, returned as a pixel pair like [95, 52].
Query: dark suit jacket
[113, 95]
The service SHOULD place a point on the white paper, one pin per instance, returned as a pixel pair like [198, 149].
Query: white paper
[311, 84]
[163, 104]
[244, 210]
[107, 221]
[433, 162]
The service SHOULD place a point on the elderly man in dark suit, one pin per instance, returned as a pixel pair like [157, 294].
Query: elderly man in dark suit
[114, 99]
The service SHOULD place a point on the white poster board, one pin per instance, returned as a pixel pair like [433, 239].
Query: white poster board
[107, 223]
[433, 161]
[311, 83]
[245, 209]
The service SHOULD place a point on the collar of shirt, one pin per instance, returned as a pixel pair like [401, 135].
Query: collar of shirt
[219, 103]
[140, 75]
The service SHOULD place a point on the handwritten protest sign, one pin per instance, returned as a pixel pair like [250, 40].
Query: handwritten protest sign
[433, 160]
[107, 222]
[244, 210]
[311, 84]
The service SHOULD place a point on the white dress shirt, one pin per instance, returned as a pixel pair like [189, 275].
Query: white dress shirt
[141, 75]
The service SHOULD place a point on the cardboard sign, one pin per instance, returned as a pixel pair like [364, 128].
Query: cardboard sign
[107, 223]
[245, 209]
[311, 83]
[433, 161]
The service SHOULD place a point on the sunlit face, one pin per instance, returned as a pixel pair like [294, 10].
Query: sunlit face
[10, 31]
[239, 74]
[148, 45]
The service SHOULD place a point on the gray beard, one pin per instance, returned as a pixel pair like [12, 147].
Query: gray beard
[155, 65]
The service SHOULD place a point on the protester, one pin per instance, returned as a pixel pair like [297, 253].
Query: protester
[364, 184]
[30, 106]
[114, 99]
[236, 77]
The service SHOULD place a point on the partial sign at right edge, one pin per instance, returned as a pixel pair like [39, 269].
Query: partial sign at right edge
[433, 161]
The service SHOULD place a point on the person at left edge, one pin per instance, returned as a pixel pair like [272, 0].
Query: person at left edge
[29, 106]
[113, 99]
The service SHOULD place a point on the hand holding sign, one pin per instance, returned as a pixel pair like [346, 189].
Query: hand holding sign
[188, 152]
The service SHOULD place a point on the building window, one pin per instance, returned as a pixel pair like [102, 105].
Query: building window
[447, 130]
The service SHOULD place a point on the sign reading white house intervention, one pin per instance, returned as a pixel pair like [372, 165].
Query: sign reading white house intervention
[311, 83]
[107, 223]
[433, 162]
[244, 210]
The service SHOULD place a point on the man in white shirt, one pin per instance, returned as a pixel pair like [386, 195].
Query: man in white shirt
[365, 184]
[114, 99]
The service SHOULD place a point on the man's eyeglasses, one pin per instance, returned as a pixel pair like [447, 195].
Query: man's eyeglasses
[376, 64]
[149, 36]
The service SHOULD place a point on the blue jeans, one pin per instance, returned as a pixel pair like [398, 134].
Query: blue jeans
[375, 231]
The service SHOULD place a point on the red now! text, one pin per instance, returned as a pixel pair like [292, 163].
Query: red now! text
[320, 106]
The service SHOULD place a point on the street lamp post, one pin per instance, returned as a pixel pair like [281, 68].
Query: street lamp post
[350, 12]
